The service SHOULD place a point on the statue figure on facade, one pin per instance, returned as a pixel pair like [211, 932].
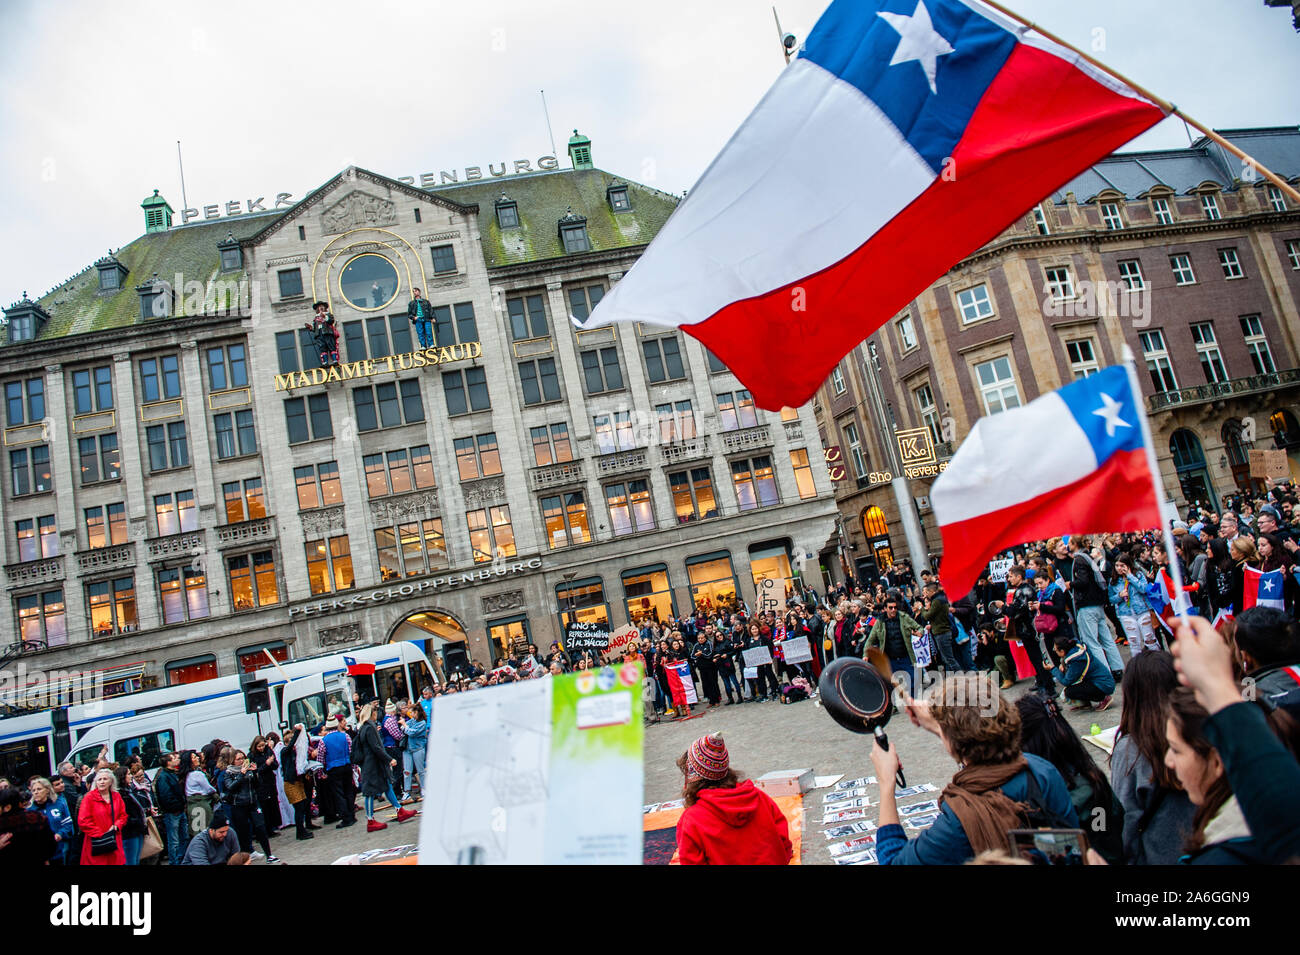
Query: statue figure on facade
[325, 334]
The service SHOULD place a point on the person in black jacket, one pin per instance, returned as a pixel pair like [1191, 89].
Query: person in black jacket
[26, 839]
[705, 669]
[134, 830]
[262, 756]
[1021, 607]
[240, 794]
[169, 796]
[376, 770]
[724, 653]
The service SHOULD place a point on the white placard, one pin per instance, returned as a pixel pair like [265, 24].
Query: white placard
[757, 656]
[998, 570]
[796, 650]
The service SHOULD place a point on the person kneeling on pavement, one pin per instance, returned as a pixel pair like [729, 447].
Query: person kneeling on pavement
[1085, 678]
[215, 845]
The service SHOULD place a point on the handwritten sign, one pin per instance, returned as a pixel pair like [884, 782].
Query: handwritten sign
[757, 656]
[770, 594]
[620, 638]
[998, 570]
[1269, 464]
[579, 636]
[796, 650]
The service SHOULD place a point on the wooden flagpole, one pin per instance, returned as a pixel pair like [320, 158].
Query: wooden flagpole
[1163, 103]
[1175, 571]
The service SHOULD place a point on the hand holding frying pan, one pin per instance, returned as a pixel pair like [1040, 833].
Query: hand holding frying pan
[857, 695]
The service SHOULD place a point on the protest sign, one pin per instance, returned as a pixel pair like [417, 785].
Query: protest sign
[998, 570]
[796, 650]
[757, 656]
[579, 636]
[1269, 463]
[621, 637]
[770, 596]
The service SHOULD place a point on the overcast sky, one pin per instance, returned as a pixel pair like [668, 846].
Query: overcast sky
[271, 97]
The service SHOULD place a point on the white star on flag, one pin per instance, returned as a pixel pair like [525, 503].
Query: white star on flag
[1266, 583]
[918, 41]
[1110, 409]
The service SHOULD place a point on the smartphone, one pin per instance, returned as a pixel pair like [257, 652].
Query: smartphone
[1049, 846]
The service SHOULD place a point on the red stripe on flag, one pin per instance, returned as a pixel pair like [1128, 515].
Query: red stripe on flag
[1116, 497]
[1041, 121]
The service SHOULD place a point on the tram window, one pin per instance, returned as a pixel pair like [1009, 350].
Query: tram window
[309, 711]
[423, 677]
[391, 684]
[150, 747]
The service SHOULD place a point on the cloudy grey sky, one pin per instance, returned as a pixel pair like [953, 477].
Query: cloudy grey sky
[274, 97]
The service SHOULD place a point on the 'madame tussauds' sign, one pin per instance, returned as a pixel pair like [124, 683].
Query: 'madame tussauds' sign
[422, 358]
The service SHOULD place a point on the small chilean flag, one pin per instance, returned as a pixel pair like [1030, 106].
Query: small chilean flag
[680, 682]
[905, 135]
[358, 669]
[1262, 589]
[1072, 460]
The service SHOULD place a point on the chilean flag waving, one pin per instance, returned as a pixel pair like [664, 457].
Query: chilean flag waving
[1072, 461]
[1262, 589]
[905, 135]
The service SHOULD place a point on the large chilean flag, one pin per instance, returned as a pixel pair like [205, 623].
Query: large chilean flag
[1070, 462]
[905, 135]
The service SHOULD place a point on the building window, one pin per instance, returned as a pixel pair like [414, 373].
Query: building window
[444, 259]
[736, 410]
[837, 381]
[506, 634]
[1040, 220]
[1060, 284]
[184, 594]
[507, 213]
[454, 325]
[255, 657]
[582, 601]
[618, 200]
[630, 511]
[551, 444]
[928, 412]
[582, 301]
[1276, 200]
[614, 432]
[100, 459]
[160, 378]
[1083, 360]
[693, 496]
[227, 367]
[100, 534]
[477, 457]
[1231, 265]
[648, 594]
[713, 582]
[716, 366]
[906, 332]
[112, 606]
[1210, 206]
[175, 513]
[490, 533]
[1293, 254]
[539, 381]
[575, 237]
[565, 518]
[318, 485]
[527, 317]
[997, 385]
[754, 482]
[1130, 273]
[411, 549]
[92, 389]
[601, 371]
[397, 472]
[1207, 349]
[37, 538]
[252, 580]
[168, 446]
[663, 359]
[1182, 268]
[803, 475]
[1110, 216]
[1160, 207]
[974, 304]
[389, 405]
[370, 338]
[676, 421]
[1252, 329]
[29, 470]
[466, 390]
[196, 669]
[852, 439]
[24, 402]
[243, 502]
[290, 282]
[329, 565]
[235, 433]
[1157, 358]
[42, 620]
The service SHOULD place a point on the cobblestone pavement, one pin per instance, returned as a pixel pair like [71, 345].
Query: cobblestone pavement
[760, 736]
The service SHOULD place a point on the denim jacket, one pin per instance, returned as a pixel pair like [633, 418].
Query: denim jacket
[1137, 603]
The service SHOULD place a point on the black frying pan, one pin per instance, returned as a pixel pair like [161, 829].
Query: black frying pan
[858, 697]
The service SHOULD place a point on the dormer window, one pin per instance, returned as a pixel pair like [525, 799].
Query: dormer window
[232, 257]
[156, 298]
[507, 212]
[573, 233]
[618, 198]
[1110, 216]
[26, 319]
[111, 273]
[1210, 206]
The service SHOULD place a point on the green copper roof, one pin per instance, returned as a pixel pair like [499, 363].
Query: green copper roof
[543, 198]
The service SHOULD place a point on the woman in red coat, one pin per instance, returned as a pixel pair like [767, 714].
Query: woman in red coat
[727, 821]
[102, 811]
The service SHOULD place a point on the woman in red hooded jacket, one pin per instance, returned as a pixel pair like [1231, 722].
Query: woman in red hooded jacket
[727, 821]
[100, 812]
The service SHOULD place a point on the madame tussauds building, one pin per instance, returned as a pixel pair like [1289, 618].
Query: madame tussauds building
[186, 482]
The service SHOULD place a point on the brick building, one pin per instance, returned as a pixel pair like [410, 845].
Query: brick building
[1181, 254]
[185, 485]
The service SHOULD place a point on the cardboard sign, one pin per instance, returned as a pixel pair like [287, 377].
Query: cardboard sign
[1269, 464]
[621, 637]
[757, 656]
[770, 596]
[579, 636]
[796, 650]
[998, 570]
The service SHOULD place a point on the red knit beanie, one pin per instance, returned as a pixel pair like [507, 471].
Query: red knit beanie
[708, 758]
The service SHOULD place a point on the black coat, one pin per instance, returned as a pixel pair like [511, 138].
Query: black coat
[375, 778]
[267, 765]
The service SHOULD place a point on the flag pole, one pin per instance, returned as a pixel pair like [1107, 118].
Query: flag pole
[1157, 485]
[1160, 101]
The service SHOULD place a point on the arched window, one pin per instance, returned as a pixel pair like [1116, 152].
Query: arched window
[1286, 432]
[1186, 449]
[873, 523]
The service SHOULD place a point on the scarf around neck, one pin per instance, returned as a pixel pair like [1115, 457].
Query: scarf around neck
[984, 811]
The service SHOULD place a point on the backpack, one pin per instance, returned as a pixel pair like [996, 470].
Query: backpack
[289, 764]
[1038, 815]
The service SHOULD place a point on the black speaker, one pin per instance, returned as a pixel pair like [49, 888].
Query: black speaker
[257, 694]
[455, 658]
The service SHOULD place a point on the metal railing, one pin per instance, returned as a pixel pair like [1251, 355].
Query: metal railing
[1232, 388]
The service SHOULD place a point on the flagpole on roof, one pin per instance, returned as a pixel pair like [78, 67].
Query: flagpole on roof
[1160, 101]
[1157, 485]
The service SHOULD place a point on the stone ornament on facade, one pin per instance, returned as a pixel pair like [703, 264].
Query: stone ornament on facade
[339, 636]
[245, 532]
[35, 571]
[357, 210]
[503, 602]
[760, 437]
[175, 545]
[320, 522]
[405, 508]
[485, 492]
[106, 558]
